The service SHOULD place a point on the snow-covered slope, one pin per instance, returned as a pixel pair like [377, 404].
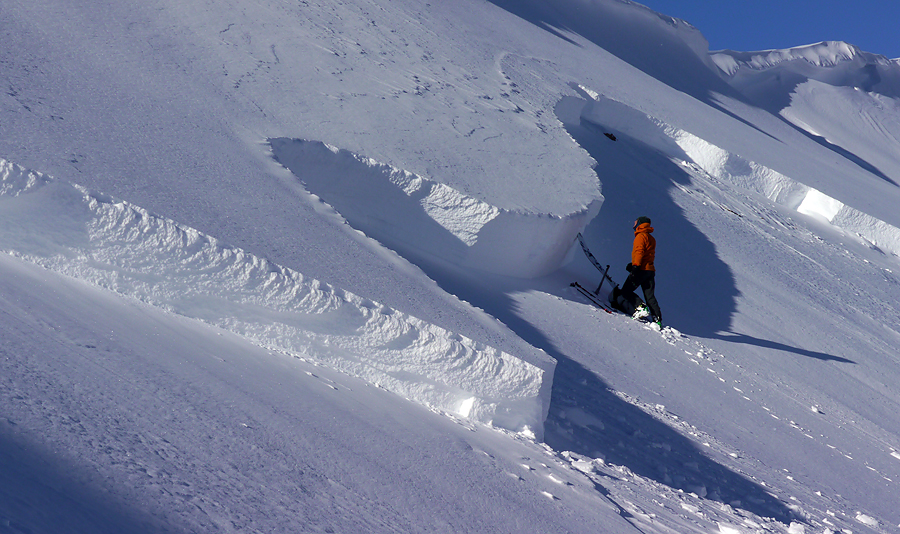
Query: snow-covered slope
[114, 245]
[843, 97]
[260, 210]
[121, 417]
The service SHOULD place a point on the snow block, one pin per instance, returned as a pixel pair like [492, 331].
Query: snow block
[413, 215]
[119, 246]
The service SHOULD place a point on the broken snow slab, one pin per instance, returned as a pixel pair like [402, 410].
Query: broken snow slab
[413, 214]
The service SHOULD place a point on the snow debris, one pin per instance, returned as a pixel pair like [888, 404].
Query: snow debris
[866, 519]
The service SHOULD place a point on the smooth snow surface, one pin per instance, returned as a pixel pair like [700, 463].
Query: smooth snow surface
[305, 267]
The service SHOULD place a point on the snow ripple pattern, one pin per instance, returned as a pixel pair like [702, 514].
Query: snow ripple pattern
[115, 245]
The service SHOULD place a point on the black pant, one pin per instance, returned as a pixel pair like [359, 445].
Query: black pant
[647, 281]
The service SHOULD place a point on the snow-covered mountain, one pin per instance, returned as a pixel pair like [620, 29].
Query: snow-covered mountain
[842, 97]
[305, 267]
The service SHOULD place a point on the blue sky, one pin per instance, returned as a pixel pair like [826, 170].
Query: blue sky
[762, 24]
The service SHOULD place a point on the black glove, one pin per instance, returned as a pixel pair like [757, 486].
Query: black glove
[629, 267]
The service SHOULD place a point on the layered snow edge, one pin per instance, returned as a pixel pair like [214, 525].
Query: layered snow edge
[112, 244]
[413, 214]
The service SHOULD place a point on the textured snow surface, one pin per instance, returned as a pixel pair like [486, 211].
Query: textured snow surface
[115, 245]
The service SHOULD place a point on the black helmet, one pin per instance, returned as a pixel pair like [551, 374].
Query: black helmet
[641, 220]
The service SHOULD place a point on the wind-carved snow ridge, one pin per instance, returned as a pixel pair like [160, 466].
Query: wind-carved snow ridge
[736, 170]
[116, 245]
[413, 215]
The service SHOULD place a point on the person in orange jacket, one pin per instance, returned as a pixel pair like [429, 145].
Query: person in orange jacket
[641, 270]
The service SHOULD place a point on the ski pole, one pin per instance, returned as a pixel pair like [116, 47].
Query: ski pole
[602, 278]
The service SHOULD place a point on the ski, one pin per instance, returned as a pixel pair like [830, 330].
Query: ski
[595, 263]
[591, 297]
[594, 296]
[612, 311]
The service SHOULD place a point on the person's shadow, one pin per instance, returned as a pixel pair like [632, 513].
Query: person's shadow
[637, 180]
[587, 418]
[733, 337]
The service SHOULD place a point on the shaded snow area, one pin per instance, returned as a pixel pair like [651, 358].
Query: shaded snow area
[415, 215]
[307, 266]
[723, 166]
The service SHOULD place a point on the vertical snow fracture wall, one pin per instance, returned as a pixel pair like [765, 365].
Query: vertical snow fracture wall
[121, 247]
[413, 215]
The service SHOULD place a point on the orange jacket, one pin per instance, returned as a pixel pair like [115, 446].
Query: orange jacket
[644, 250]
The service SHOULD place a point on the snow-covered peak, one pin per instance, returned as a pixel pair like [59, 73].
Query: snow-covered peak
[833, 62]
[824, 54]
[839, 95]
